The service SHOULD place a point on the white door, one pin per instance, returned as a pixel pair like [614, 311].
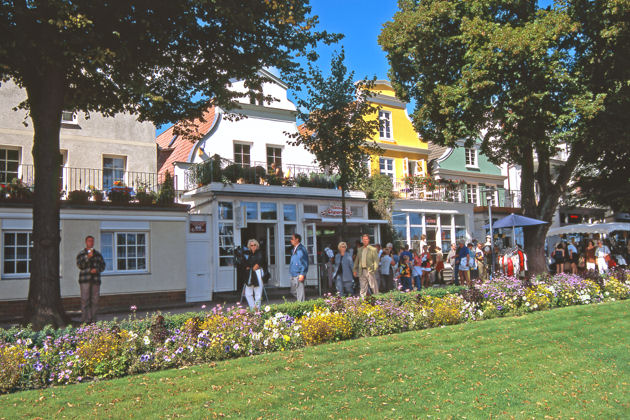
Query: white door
[198, 286]
[310, 237]
[272, 255]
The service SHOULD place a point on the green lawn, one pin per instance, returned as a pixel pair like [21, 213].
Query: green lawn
[571, 362]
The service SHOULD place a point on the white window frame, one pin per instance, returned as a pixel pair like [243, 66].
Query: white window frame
[114, 269]
[242, 144]
[114, 169]
[389, 172]
[386, 128]
[26, 275]
[73, 121]
[4, 150]
[278, 157]
[471, 157]
[472, 194]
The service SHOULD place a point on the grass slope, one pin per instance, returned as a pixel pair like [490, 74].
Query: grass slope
[571, 362]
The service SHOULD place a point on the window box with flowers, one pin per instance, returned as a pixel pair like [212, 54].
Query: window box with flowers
[119, 193]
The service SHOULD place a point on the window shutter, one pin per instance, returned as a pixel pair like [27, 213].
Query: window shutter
[406, 166]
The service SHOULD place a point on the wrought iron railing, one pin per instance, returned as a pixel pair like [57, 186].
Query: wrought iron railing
[72, 179]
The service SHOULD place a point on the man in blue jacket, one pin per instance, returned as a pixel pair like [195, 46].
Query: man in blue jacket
[298, 266]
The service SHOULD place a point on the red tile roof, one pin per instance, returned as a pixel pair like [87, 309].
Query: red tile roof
[172, 148]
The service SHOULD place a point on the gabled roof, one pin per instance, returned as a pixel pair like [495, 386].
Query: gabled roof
[177, 148]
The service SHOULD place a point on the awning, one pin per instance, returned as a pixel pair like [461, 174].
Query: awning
[606, 228]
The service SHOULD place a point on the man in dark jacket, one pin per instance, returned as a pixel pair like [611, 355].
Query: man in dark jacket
[91, 264]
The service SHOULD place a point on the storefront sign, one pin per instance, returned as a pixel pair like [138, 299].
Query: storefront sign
[336, 211]
[197, 227]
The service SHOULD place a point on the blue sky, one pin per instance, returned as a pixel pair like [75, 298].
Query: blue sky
[361, 22]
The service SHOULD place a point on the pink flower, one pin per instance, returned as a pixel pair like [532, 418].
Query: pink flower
[203, 306]
[134, 308]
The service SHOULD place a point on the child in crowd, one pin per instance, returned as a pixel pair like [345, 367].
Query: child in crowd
[404, 275]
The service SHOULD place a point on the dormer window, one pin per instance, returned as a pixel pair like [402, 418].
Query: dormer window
[471, 158]
[69, 117]
[385, 120]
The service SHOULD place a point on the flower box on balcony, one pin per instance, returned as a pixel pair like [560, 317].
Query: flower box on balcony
[120, 194]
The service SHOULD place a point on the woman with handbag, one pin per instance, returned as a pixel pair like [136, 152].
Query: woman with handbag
[343, 267]
[254, 274]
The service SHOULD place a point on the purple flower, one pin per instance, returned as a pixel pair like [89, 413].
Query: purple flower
[38, 366]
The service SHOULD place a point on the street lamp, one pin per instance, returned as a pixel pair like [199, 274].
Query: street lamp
[489, 203]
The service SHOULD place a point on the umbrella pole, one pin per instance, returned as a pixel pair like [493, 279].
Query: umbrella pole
[513, 236]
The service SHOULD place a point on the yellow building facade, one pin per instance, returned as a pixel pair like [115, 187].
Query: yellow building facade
[404, 152]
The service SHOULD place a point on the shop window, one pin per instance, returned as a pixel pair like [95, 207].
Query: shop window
[268, 211]
[124, 251]
[415, 219]
[310, 209]
[290, 212]
[289, 230]
[226, 244]
[357, 211]
[17, 248]
[242, 154]
[225, 210]
[251, 210]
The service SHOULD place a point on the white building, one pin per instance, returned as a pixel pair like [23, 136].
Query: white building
[244, 180]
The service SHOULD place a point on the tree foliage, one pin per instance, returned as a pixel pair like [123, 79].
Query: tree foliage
[161, 60]
[338, 122]
[512, 73]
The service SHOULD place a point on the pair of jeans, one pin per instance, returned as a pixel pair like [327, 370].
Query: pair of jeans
[418, 282]
[406, 283]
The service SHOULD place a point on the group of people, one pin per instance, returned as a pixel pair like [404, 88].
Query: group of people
[375, 269]
[588, 255]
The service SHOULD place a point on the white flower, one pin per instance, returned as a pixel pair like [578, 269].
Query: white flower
[146, 340]
[267, 308]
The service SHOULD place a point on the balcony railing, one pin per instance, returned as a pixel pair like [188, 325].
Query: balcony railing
[222, 170]
[101, 179]
[459, 194]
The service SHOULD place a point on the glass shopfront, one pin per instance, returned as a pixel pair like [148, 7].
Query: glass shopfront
[441, 229]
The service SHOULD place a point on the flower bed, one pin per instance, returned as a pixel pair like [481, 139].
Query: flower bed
[106, 350]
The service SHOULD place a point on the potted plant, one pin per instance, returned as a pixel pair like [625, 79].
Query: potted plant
[79, 196]
[96, 194]
[18, 190]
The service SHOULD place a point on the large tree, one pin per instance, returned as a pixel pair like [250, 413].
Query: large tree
[339, 121]
[161, 60]
[512, 73]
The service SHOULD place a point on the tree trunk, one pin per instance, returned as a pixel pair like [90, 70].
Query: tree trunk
[45, 95]
[535, 248]
[342, 232]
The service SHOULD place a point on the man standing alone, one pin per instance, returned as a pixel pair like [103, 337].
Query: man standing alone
[91, 265]
[298, 266]
[365, 266]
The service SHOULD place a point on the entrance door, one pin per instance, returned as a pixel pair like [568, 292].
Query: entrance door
[310, 239]
[198, 251]
[272, 265]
